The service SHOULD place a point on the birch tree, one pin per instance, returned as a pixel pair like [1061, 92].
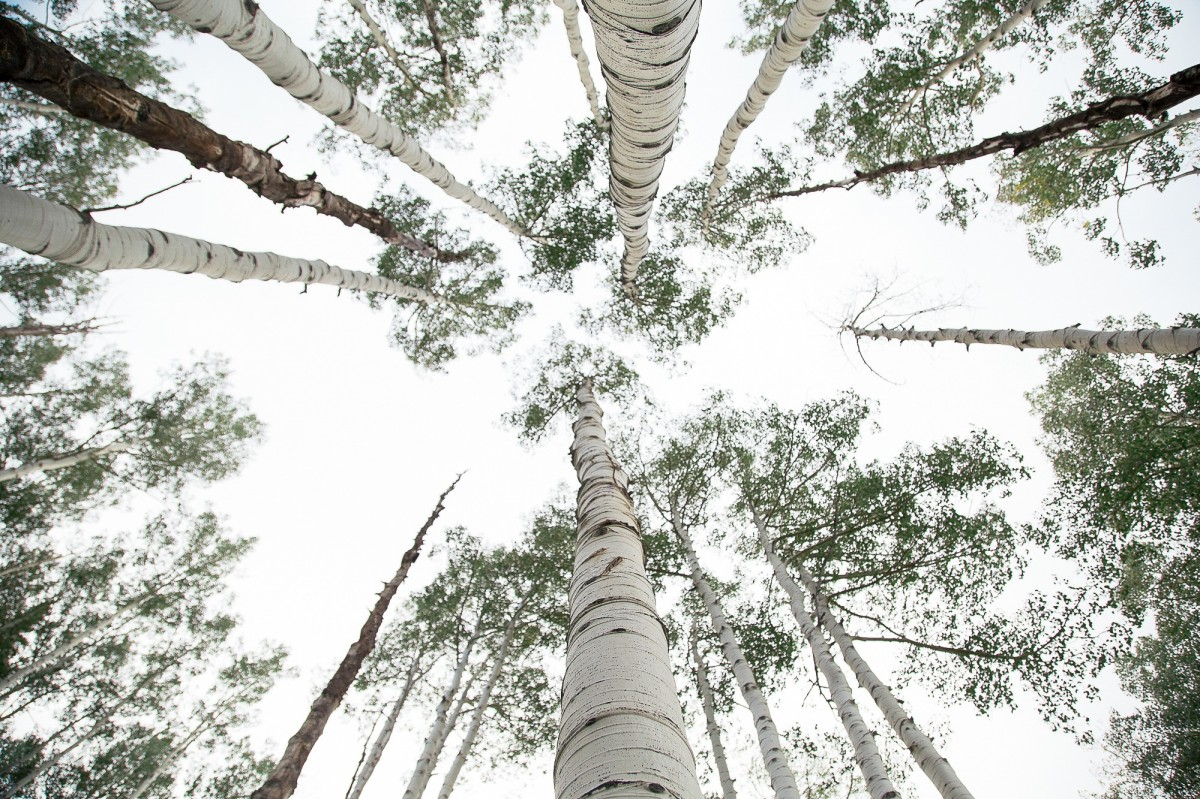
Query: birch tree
[1159, 341]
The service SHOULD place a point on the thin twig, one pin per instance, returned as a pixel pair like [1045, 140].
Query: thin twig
[90, 211]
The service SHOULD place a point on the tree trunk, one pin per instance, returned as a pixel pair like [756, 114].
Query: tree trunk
[381, 39]
[442, 725]
[245, 28]
[481, 705]
[38, 329]
[64, 461]
[643, 49]
[50, 71]
[385, 735]
[570, 11]
[791, 40]
[866, 754]
[783, 781]
[1181, 87]
[282, 781]
[936, 767]
[621, 730]
[63, 234]
[1165, 341]
[710, 718]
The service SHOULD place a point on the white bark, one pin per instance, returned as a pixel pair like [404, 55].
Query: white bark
[443, 722]
[970, 56]
[783, 781]
[621, 731]
[44, 109]
[791, 40]
[385, 735]
[245, 28]
[570, 11]
[20, 567]
[936, 767]
[481, 706]
[63, 461]
[643, 48]
[60, 233]
[1160, 341]
[866, 753]
[710, 719]
[1134, 138]
[381, 39]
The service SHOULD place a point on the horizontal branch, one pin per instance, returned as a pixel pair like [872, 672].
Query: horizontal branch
[1160, 341]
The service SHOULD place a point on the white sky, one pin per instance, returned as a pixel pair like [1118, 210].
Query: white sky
[359, 443]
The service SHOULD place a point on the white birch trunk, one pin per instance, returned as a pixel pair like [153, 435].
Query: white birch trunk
[996, 34]
[866, 753]
[173, 756]
[791, 40]
[922, 749]
[1134, 138]
[21, 567]
[381, 740]
[710, 719]
[44, 109]
[570, 11]
[481, 706]
[245, 28]
[643, 48]
[441, 726]
[1160, 341]
[60, 233]
[621, 731]
[63, 461]
[381, 39]
[783, 781]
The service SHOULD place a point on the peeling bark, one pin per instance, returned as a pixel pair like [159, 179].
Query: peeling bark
[570, 11]
[621, 730]
[710, 718]
[245, 28]
[1160, 341]
[50, 71]
[1181, 87]
[63, 234]
[281, 782]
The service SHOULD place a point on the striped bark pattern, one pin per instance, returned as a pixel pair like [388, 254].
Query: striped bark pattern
[1160, 341]
[791, 40]
[245, 28]
[570, 11]
[445, 716]
[710, 718]
[63, 234]
[643, 49]
[621, 731]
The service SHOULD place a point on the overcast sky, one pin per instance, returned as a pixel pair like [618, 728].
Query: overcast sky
[360, 443]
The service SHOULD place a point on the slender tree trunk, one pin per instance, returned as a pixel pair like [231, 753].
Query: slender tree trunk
[643, 49]
[1181, 87]
[36, 108]
[1164, 341]
[33, 329]
[385, 735]
[381, 39]
[245, 28]
[791, 40]
[63, 234]
[710, 718]
[570, 11]
[866, 753]
[50, 71]
[173, 756]
[442, 724]
[64, 461]
[281, 782]
[435, 36]
[970, 56]
[21, 567]
[621, 730]
[481, 704]
[936, 767]
[783, 781]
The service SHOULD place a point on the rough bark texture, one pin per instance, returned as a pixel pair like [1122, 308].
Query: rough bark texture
[63, 461]
[570, 11]
[245, 28]
[621, 731]
[791, 40]
[1160, 341]
[710, 721]
[50, 71]
[643, 49]
[63, 234]
[866, 753]
[783, 781]
[926, 755]
[385, 735]
[281, 782]
[1181, 87]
